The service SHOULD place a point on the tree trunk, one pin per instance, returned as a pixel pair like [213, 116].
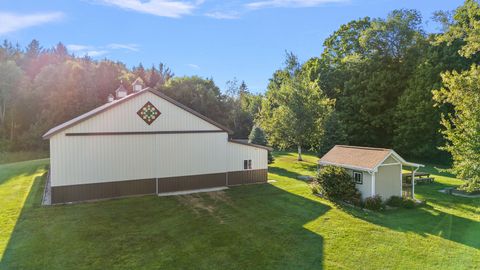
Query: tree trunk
[300, 153]
[12, 131]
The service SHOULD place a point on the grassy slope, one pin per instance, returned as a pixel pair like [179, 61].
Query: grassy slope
[273, 226]
[9, 157]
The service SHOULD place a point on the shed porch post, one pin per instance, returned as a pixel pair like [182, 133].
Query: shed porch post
[413, 182]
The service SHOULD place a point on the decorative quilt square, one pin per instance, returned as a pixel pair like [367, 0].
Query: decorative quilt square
[148, 113]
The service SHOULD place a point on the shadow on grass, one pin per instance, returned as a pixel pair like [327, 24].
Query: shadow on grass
[424, 221]
[246, 227]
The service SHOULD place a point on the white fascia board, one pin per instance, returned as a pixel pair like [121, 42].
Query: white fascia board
[346, 166]
[411, 164]
[397, 157]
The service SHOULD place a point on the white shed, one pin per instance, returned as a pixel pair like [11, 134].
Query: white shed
[146, 143]
[376, 171]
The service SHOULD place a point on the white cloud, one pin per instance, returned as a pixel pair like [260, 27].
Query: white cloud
[164, 8]
[290, 3]
[223, 15]
[11, 22]
[130, 47]
[194, 66]
[77, 47]
[95, 51]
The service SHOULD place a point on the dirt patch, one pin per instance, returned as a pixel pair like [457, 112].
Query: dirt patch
[196, 203]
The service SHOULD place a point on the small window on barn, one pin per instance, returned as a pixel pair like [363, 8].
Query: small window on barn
[358, 177]
[247, 164]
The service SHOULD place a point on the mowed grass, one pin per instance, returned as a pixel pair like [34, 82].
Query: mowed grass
[268, 226]
[9, 157]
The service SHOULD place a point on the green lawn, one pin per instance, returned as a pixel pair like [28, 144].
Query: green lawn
[270, 226]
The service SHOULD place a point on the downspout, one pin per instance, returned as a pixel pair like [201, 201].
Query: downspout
[227, 163]
[373, 183]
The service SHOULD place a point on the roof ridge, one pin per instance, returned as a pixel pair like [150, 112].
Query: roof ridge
[363, 147]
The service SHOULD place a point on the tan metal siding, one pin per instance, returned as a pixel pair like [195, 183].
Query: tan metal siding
[387, 182]
[124, 118]
[237, 153]
[90, 159]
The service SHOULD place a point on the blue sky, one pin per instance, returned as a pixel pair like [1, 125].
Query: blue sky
[210, 38]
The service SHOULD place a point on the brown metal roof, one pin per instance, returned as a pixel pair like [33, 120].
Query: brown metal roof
[112, 104]
[355, 156]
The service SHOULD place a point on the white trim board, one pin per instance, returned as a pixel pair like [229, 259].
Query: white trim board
[186, 192]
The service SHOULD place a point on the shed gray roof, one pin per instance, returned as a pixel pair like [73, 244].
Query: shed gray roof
[362, 158]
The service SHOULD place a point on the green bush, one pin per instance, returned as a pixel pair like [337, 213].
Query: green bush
[395, 201]
[374, 203]
[408, 203]
[335, 183]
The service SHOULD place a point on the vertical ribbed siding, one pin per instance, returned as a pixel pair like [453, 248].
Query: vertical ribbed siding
[91, 159]
[247, 177]
[124, 118]
[95, 167]
[182, 183]
[237, 153]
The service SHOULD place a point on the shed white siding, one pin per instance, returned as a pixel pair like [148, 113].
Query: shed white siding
[366, 187]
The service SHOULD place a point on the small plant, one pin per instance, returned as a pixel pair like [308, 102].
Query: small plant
[374, 203]
[408, 203]
[395, 201]
[335, 183]
[315, 188]
[356, 200]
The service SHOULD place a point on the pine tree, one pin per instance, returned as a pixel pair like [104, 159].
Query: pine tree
[257, 136]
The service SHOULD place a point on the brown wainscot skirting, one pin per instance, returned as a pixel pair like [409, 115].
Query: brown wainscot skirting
[96, 191]
[191, 182]
[247, 177]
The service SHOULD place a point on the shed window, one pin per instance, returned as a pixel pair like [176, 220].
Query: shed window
[247, 164]
[358, 177]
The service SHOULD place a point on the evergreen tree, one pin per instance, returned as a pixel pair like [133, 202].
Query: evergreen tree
[257, 136]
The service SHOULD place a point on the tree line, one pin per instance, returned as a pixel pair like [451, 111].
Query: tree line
[43, 87]
[385, 82]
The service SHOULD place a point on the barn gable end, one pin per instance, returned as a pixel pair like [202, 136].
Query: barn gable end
[123, 118]
[115, 151]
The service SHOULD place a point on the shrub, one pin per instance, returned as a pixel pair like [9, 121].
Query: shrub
[335, 183]
[395, 201]
[408, 203]
[374, 203]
